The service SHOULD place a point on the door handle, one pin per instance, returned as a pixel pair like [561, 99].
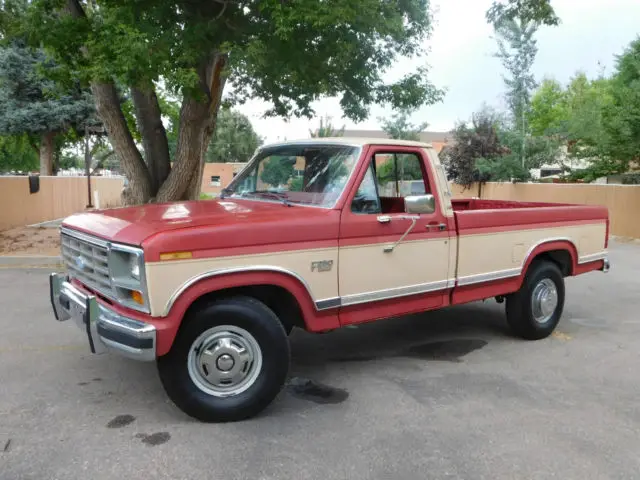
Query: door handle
[441, 227]
[384, 218]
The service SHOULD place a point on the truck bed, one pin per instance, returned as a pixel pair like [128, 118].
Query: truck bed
[497, 239]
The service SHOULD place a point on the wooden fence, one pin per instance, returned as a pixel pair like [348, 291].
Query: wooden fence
[57, 197]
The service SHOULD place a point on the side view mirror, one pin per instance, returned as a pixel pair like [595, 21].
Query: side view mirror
[420, 204]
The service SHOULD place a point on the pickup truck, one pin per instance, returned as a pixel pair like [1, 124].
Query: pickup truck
[317, 234]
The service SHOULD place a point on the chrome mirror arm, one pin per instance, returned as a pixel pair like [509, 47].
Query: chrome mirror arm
[414, 219]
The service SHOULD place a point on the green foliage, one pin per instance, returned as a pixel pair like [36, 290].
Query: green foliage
[517, 51]
[234, 140]
[549, 110]
[489, 150]
[539, 11]
[296, 184]
[399, 127]
[573, 115]
[277, 170]
[17, 153]
[286, 53]
[326, 129]
[407, 167]
[473, 142]
[32, 103]
[622, 115]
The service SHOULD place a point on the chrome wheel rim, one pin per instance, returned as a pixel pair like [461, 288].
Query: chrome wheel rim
[224, 360]
[544, 300]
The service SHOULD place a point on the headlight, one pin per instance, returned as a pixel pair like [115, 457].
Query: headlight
[134, 266]
[126, 269]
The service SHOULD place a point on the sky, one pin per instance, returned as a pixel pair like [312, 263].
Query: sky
[461, 46]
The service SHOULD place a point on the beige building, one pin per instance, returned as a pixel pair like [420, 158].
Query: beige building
[216, 176]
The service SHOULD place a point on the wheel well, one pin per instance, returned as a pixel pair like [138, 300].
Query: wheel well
[278, 299]
[562, 258]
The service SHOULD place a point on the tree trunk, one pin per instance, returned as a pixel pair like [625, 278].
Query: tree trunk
[193, 117]
[46, 153]
[197, 120]
[216, 81]
[154, 135]
[108, 108]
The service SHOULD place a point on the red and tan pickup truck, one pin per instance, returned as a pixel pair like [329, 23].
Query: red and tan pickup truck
[316, 234]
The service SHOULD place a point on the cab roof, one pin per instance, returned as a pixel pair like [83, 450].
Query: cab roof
[354, 141]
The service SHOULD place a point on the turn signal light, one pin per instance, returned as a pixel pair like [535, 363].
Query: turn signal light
[137, 297]
[175, 255]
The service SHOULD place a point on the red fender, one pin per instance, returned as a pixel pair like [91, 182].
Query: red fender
[314, 320]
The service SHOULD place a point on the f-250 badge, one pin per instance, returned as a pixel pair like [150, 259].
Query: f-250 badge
[322, 266]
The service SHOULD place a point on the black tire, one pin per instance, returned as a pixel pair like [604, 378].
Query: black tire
[519, 308]
[238, 312]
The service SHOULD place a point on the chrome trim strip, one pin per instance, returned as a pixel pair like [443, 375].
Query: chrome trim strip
[594, 257]
[542, 242]
[393, 293]
[84, 237]
[328, 303]
[489, 277]
[225, 271]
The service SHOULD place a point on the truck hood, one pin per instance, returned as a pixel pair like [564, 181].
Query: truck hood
[243, 219]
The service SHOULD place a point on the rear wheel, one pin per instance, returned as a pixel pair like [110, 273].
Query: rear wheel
[228, 362]
[533, 312]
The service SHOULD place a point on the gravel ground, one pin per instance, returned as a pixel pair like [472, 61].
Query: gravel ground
[443, 395]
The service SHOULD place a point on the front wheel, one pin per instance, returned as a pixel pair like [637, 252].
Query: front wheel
[533, 312]
[228, 362]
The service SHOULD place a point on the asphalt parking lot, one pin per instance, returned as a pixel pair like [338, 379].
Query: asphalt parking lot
[444, 395]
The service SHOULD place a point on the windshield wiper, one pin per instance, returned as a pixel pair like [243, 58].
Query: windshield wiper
[278, 195]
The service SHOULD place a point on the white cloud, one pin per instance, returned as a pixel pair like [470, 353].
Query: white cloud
[461, 60]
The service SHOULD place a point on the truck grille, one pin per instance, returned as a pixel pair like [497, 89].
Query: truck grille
[87, 261]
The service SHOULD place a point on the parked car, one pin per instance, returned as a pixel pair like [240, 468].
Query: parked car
[210, 290]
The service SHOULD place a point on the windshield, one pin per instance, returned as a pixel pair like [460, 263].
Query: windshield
[311, 174]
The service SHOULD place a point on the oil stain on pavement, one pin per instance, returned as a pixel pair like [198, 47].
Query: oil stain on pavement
[306, 389]
[154, 439]
[121, 421]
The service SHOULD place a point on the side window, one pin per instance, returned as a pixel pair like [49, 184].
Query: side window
[399, 175]
[389, 178]
[366, 199]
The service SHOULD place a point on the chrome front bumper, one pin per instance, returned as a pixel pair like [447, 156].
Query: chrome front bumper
[106, 330]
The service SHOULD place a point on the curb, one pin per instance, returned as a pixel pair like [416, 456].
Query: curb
[30, 261]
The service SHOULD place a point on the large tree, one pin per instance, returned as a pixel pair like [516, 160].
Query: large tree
[17, 154]
[398, 126]
[517, 50]
[539, 11]
[471, 143]
[234, 140]
[622, 115]
[32, 104]
[325, 129]
[286, 53]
